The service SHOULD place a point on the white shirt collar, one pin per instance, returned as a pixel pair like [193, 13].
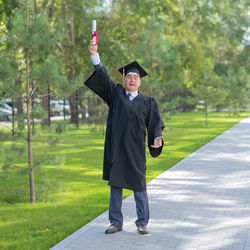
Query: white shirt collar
[133, 94]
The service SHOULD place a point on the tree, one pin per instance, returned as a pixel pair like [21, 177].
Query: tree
[32, 40]
[207, 87]
[237, 91]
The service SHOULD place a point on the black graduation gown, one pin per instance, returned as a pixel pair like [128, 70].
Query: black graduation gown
[128, 122]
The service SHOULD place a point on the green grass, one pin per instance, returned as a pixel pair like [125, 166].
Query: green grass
[73, 194]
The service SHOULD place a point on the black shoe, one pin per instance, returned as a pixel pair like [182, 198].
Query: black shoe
[141, 229]
[113, 229]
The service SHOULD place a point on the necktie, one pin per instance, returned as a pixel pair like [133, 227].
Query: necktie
[128, 96]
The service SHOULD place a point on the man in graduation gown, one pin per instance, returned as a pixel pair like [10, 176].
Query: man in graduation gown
[131, 116]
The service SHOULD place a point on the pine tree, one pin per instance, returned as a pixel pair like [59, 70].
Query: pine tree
[34, 64]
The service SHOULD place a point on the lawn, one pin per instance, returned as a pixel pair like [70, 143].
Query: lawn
[73, 193]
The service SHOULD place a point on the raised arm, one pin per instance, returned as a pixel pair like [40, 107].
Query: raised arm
[99, 82]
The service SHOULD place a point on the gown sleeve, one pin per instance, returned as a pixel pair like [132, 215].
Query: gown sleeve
[101, 84]
[155, 127]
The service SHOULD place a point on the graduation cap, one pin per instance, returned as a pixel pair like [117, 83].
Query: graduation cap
[134, 67]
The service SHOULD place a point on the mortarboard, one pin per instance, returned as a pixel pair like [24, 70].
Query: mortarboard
[134, 67]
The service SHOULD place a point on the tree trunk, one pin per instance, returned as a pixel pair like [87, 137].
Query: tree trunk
[32, 110]
[45, 103]
[13, 116]
[49, 113]
[29, 135]
[64, 112]
[206, 114]
[206, 105]
[77, 109]
[73, 99]
[153, 51]
[19, 106]
[73, 109]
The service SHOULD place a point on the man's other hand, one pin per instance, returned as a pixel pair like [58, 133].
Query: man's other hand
[92, 48]
[157, 142]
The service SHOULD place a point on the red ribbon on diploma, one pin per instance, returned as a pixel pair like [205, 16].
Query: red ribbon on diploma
[94, 38]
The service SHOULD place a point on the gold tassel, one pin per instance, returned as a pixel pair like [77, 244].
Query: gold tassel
[123, 77]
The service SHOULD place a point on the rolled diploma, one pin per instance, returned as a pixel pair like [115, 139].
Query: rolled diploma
[94, 36]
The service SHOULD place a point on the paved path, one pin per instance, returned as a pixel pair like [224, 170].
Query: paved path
[203, 202]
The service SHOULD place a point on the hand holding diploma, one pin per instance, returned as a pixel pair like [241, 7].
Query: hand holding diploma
[92, 48]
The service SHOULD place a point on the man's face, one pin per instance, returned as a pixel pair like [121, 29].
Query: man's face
[132, 82]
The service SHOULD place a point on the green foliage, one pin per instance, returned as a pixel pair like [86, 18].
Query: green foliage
[172, 39]
[7, 73]
[235, 83]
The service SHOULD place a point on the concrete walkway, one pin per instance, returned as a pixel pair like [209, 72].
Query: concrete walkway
[203, 202]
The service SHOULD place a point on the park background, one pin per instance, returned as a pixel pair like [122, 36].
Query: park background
[51, 148]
